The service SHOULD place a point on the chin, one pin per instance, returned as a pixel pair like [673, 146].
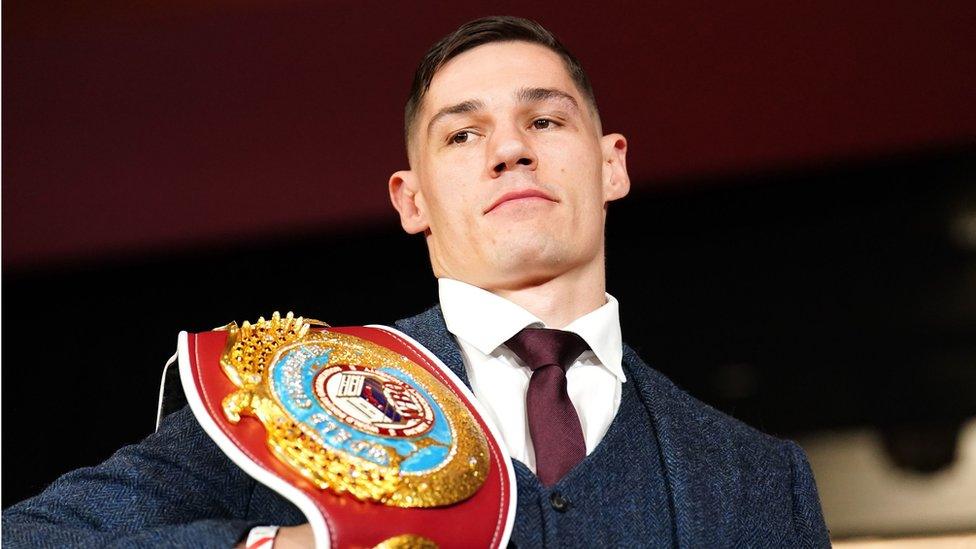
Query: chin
[534, 260]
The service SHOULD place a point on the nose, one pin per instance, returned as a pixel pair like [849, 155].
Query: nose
[510, 150]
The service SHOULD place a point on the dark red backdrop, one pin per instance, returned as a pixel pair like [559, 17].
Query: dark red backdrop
[158, 126]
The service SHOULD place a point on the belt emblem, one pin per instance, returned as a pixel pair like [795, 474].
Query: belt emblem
[353, 416]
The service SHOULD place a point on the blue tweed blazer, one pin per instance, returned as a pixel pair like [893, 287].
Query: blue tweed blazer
[730, 485]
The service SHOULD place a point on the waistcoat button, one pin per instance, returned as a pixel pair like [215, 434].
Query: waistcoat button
[558, 502]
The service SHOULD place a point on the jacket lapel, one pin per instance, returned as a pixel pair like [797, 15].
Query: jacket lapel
[429, 329]
[695, 456]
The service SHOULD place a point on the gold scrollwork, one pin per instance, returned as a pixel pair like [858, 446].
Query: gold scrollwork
[406, 541]
[248, 358]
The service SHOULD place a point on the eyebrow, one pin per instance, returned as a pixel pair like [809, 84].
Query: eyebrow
[471, 105]
[538, 95]
[523, 95]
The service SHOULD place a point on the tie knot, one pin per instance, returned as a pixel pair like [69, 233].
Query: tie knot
[539, 347]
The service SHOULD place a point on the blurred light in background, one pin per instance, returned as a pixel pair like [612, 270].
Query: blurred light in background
[864, 492]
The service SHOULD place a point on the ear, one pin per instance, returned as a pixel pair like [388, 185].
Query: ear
[408, 201]
[616, 182]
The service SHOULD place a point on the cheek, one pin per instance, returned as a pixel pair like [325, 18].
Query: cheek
[572, 154]
[580, 173]
[451, 201]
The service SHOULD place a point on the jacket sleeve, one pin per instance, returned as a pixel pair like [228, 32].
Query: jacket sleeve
[175, 488]
[808, 520]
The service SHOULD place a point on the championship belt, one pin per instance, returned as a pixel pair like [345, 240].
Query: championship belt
[369, 434]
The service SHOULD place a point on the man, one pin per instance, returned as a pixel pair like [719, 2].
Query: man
[510, 177]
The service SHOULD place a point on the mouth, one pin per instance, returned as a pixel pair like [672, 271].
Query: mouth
[522, 194]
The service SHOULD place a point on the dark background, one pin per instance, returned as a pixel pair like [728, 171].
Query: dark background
[799, 248]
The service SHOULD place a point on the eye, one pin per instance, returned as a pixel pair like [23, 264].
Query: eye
[542, 123]
[460, 137]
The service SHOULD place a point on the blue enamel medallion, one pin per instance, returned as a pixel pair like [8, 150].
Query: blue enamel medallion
[363, 412]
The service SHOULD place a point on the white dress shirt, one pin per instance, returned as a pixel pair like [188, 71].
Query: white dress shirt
[483, 322]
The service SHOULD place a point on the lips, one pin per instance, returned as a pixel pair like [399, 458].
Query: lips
[518, 195]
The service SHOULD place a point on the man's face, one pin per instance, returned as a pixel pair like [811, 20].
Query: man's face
[510, 175]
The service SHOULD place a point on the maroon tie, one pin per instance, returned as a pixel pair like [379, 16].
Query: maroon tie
[555, 428]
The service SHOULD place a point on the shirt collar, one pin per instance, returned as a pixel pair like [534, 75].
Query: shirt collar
[486, 321]
[600, 329]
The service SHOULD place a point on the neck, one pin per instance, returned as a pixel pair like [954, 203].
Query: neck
[560, 300]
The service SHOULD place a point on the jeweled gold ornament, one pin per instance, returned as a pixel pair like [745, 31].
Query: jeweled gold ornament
[352, 416]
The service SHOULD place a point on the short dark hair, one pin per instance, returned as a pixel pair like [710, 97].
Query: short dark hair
[485, 31]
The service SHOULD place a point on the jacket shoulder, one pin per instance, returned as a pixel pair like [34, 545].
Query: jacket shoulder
[691, 417]
[732, 481]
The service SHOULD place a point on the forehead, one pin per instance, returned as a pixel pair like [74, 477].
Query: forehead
[493, 72]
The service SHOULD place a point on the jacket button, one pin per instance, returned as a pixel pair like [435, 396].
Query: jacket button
[559, 502]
